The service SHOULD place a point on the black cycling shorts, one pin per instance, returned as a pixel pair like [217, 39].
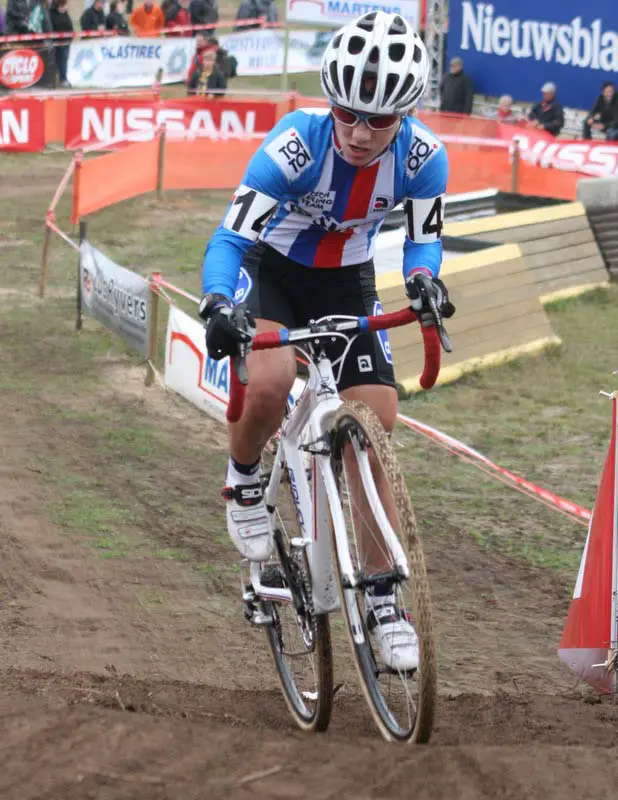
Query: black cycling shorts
[281, 290]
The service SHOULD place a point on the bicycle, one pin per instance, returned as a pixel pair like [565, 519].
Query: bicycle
[326, 487]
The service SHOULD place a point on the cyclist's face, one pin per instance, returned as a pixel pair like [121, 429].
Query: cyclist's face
[359, 144]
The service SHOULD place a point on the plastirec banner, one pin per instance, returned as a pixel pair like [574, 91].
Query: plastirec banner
[22, 125]
[91, 120]
[122, 61]
[192, 373]
[118, 298]
[514, 48]
[339, 12]
[261, 52]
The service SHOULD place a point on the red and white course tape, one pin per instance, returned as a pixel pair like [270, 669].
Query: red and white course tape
[471, 456]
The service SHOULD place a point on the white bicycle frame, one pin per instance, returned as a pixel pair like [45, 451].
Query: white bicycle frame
[306, 430]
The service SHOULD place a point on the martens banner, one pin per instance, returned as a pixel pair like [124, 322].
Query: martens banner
[514, 48]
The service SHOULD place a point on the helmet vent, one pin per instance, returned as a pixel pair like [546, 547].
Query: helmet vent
[355, 45]
[396, 51]
[407, 85]
[417, 54]
[337, 41]
[348, 77]
[398, 26]
[369, 83]
[366, 23]
[374, 56]
[334, 77]
[391, 85]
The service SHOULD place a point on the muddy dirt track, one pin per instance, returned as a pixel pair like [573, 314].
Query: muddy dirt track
[136, 677]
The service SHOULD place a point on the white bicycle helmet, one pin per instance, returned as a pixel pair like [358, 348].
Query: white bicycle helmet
[381, 46]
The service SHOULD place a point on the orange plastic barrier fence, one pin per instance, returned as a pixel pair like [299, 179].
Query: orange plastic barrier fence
[206, 163]
[473, 168]
[104, 180]
[547, 182]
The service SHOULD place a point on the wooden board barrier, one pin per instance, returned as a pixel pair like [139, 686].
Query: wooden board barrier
[557, 243]
[499, 315]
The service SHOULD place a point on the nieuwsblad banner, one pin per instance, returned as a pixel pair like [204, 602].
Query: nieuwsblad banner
[190, 372]
[339, 12]
[514, 48]
[100, 119]
[115, 296]
[22, 125]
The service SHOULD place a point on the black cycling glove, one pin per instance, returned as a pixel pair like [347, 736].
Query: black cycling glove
[421, 288]
[227, 325]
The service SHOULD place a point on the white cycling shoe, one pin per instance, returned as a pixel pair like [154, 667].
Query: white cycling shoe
[394, 635]
[248, 521]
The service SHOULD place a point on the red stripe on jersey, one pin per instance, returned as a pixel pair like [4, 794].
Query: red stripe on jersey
[361, 191]
[329, 253]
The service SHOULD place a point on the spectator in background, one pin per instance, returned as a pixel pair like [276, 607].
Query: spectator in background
[177, 16]
[256, 9]
[116, 20]
[604, 114]
[456, 89]
[17, 15]
[227, 64]
[204, 74]
[204, 12]
[93, 18]
[147, 19]
[548, 114]
[61, 23]
[505, 112]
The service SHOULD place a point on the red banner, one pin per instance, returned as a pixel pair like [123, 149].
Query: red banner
[593, 158]
[22, 125]
[99, 120]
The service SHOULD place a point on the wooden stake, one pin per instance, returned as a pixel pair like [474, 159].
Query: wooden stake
[153, 326]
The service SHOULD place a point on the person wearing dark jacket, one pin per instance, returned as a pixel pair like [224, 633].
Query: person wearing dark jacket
[93, 18]
[116, 20]
[604, 114]
[456, 89]
[548, 114]
[61, 23]
[17, 15]
[177, 15]
[203, 12]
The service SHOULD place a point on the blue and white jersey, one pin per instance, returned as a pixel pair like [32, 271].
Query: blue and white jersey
[300, 197]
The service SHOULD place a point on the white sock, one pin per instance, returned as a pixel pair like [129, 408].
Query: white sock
[236, 478]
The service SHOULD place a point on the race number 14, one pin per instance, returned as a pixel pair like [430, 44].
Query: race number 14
[424, 219]
[248, 212]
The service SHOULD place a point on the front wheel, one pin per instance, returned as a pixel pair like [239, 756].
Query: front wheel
[374, 498]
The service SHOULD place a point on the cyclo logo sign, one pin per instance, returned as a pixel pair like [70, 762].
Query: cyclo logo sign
[20, 69]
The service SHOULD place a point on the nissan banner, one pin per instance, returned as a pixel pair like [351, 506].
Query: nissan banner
[514, 48]
[115, 296]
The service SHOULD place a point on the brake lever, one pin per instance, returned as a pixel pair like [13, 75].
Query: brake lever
[240, 364]
[437, 320]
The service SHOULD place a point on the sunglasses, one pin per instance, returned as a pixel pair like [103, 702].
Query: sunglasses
[375, 122]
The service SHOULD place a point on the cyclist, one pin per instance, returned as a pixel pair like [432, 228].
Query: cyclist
[296, 243]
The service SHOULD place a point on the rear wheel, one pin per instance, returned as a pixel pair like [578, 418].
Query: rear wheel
[299, 639]
[373, 494]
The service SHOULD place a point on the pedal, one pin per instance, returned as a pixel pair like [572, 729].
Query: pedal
[252, 613]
